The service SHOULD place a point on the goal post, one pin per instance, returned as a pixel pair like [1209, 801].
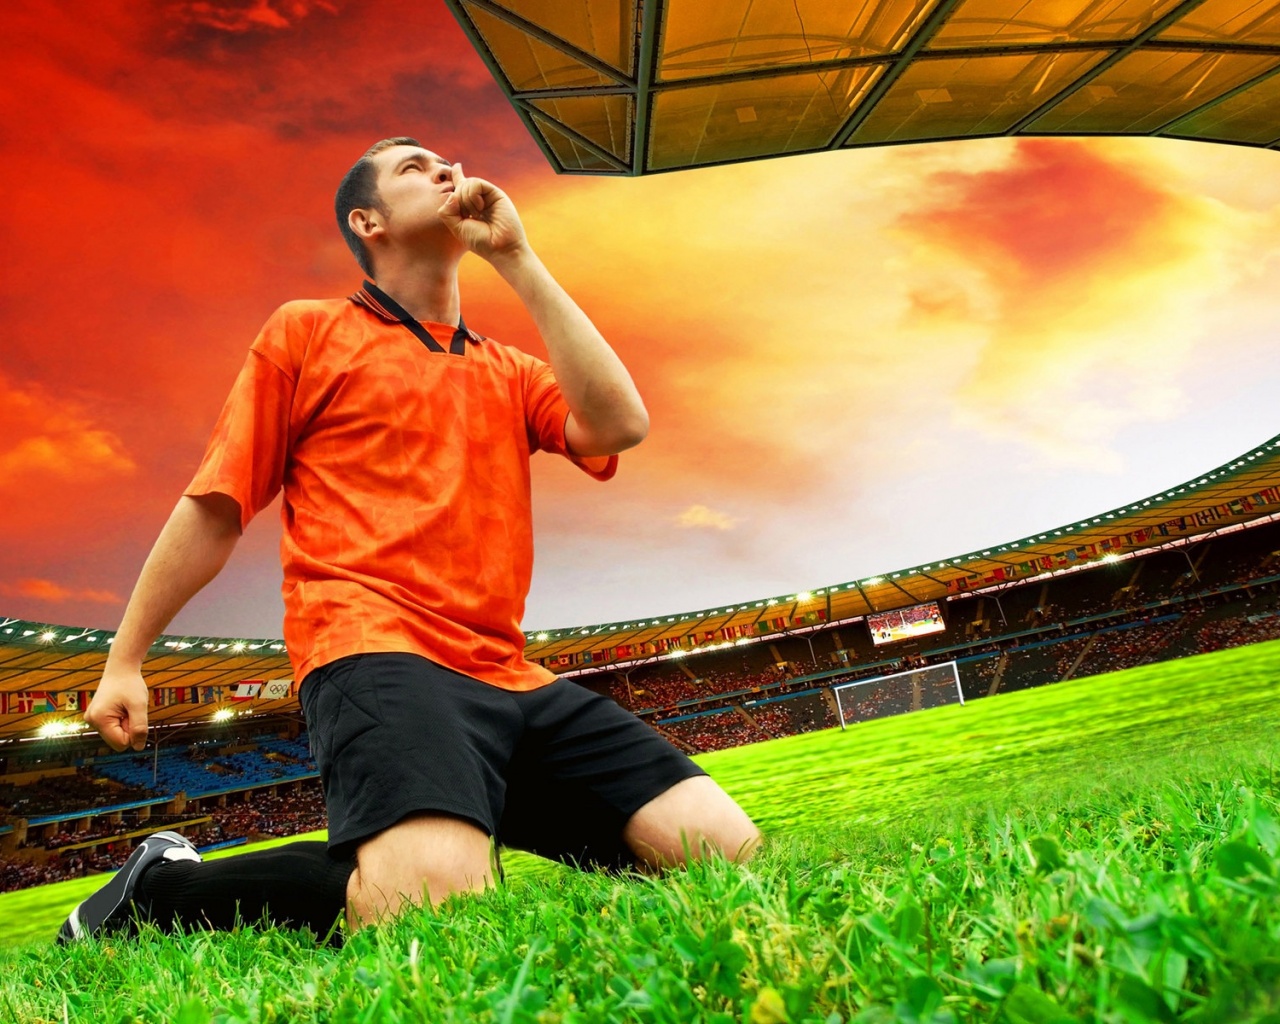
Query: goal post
[898, 693]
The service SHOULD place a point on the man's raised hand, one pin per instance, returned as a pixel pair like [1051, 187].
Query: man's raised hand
[482, 217]
[119, 710]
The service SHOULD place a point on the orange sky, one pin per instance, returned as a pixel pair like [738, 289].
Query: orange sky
[854, 362]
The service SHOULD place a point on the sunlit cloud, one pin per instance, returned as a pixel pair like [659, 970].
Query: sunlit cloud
[54, 593]
[700, 517]
[43, 438]
[1094, 284]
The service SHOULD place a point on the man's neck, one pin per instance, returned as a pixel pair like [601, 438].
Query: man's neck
[427, 288]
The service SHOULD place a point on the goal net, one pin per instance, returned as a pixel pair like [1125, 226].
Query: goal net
[899, 693]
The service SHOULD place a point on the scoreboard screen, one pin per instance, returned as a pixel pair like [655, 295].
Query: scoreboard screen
[905, 623]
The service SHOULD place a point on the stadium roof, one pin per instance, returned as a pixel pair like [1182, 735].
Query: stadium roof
[60, 660]
[634, 87]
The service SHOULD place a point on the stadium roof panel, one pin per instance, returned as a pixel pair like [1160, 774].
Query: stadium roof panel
[631, 87]
[36, 658]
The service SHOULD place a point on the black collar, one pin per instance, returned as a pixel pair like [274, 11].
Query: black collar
[377, 301]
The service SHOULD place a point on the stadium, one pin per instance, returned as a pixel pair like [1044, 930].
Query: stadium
[1031, 782]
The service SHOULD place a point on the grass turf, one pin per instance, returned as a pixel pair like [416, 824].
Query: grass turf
[1105, 849]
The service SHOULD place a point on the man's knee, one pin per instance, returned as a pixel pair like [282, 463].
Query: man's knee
[688, 820]
[423, 860]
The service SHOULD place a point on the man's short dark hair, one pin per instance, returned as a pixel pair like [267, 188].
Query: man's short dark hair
[359, 191]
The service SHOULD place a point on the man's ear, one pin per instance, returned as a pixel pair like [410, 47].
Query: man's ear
[365, 223]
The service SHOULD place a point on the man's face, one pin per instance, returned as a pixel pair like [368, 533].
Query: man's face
[412, 185]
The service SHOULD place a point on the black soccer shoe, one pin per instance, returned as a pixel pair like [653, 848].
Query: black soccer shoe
[111, 906]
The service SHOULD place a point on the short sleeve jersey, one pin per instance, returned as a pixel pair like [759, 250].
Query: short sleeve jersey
[405, 471]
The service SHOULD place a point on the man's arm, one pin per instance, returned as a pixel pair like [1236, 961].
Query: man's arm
[190, 551]
[606, 413]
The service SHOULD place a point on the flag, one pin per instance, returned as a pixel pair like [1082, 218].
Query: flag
[276, 689]
[246, 689]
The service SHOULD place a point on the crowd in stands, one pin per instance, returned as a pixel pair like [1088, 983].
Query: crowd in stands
[104, 831]
[717, 731]
[83, 790]
[18, 874]
[261, 816]
[1236, 632]
[1117, 649]
[285, 814]
[792, 717]
[673, 686]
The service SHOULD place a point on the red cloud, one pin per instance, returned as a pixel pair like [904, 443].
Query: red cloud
[1059, 207]
[45, 439]
[242, 17]
[47, 590]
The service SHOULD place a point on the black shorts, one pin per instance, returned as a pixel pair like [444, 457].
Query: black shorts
[556, 771]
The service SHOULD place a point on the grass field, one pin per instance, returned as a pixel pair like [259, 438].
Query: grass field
[1106, 849]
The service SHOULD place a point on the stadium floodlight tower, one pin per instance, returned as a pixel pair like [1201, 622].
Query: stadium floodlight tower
[914, 690]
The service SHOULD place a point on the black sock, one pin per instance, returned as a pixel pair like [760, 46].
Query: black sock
[296, 886]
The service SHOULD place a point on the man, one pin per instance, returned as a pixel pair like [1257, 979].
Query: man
[401, 440]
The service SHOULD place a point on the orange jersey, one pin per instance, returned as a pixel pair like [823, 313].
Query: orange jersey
[405, 470]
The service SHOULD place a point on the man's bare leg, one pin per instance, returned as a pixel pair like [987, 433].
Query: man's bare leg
[422, 858]
[696, 812]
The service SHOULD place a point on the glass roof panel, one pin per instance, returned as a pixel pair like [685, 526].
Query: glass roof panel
[572, 156]
[939, 98]
[605, 120]
[1253, 116]
[530, 63]
[700, 38]
[1148, 89]
[1236, 21]
[603, 28]
[759, 117]
[1005, 23]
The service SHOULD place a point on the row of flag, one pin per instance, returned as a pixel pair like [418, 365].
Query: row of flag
[1111, 545]
[238, 693]
[688, 642]
[34, 702]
